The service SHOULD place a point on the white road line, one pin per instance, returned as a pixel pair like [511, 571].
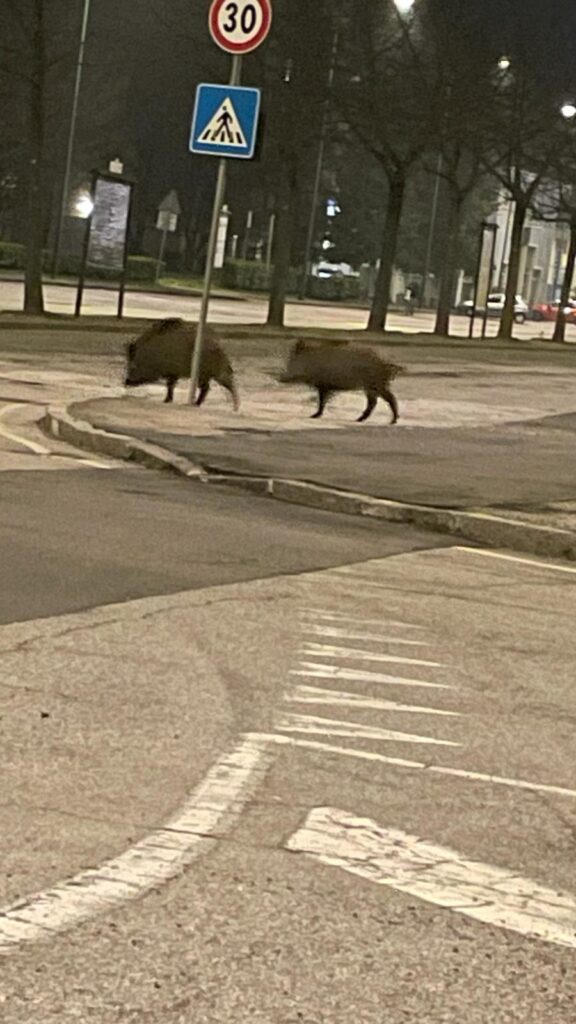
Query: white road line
[353, 654]
[39, 449]
[312, 670]
[354, 580]
[24, 442]
[321, 613]
[334, 727]
[368, 755]
[207, 815]
[318, 695]
[436, 874]
[344, 634]
[513, 558]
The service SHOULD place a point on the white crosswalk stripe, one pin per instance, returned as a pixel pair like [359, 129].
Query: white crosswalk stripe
[335, 727]
[311, 649]
[344, 634]
[341, 698]
[313, 670]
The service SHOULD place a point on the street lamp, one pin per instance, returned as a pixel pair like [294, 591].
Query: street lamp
[83, 205]
[568, 111]
[71, 138]
[404, 7]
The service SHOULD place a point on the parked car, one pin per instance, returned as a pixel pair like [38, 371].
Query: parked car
[549, 311]
[495, 307]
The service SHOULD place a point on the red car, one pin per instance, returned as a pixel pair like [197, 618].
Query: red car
[549, 311]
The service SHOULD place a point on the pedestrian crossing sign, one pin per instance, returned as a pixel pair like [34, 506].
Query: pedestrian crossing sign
[225, 121]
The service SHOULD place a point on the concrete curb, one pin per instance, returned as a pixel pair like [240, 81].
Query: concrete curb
[479, 527]
[59, 424]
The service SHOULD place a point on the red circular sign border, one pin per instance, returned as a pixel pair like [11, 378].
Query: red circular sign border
[239, 48]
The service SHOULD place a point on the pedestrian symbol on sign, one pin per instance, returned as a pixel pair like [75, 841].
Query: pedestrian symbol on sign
[224, 127]
[225, 121]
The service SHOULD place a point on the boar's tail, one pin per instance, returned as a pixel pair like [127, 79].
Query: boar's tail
[392, 370]
[169, 324]
[227, 380]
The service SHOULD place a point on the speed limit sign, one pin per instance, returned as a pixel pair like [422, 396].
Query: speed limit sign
[239, 26]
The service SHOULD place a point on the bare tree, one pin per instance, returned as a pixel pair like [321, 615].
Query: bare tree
[556, 202]
[295, 86]
[518, 148]
[384, 88]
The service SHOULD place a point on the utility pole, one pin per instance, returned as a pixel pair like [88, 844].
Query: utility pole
[71, 139]
[318, 173]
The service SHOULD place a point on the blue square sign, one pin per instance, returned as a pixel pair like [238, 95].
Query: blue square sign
[225, 121]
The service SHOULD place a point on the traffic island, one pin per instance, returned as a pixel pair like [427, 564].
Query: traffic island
[546, 534]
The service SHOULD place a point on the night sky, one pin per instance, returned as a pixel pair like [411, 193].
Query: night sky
[544, 31]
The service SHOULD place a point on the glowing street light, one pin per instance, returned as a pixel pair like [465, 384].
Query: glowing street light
[404, 7]
[568, 111]
[83, 205]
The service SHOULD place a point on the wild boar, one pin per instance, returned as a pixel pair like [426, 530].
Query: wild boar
[333, 368]
[164, 352]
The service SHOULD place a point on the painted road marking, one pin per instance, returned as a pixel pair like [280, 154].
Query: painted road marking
[513, 558]
[313, 670]
[348, 579]
[335, 727]
[344, 634]
[209, 813]
[322, 613]
[436, 874]
[39, 449]
[318, 695]
[24, 442]
[311, 649]
[434, 769]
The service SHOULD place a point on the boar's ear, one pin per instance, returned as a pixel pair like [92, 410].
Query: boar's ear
[299, 347]
[169, 324]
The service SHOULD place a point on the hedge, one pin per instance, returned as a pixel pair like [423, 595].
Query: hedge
[12, 255]
[253, 276]
[334, 289]
[250, 276]
[140, 268]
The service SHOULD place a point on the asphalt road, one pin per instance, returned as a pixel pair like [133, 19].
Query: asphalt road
[77, 540]
[142, 304]
[298, 768]
[396, 827]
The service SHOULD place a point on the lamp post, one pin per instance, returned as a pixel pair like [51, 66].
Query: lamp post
[71, 138]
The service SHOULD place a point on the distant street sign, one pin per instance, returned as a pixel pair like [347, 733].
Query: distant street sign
[240, 26]
[166, 221]
[171, 204]
[225, 121]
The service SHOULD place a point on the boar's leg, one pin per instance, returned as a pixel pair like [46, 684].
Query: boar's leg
[323, 395]
[171, 383]
[388, 397]
[372, 397]
[204, 389]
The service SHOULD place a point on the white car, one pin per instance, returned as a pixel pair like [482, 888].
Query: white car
[495, 307]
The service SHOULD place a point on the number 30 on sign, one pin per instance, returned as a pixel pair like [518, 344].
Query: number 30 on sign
[240, 26]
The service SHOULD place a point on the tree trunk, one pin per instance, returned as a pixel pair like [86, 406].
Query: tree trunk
[282, 251]
[507, 322]
[381, 300]
[448, 278]
[560, 328]
[33, 295]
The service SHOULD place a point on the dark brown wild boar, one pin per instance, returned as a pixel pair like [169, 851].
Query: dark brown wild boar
[164, 352]
[333, 368]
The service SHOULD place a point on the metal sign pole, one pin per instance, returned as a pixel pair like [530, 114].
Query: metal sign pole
[235, 76]
[160, 259]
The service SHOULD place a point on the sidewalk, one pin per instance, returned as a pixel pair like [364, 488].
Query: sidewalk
[492, 474]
